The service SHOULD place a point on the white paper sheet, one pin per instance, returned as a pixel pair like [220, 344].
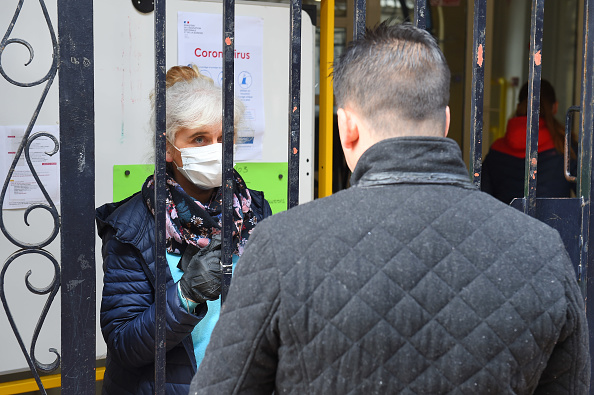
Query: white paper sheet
[199, 42]
[23, 190]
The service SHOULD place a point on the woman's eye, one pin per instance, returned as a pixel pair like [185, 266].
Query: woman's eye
[199, 140]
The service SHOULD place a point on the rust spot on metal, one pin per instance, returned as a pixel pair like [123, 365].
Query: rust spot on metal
[228, 41]
[533, 161]
[294, 108]
[476, 174]
[537, 58]
[479, 56]
[294, 151]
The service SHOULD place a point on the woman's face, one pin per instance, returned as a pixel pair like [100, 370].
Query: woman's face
[185, 138]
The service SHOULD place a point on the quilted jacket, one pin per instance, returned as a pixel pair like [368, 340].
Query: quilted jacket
[127, 307]
[410, 282]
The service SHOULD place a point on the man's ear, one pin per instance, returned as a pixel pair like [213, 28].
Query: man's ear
[447, 121]
[348, 129]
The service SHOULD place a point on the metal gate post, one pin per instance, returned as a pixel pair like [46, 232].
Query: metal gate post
[585, 168]
[420, 14]
[160, 200]
[77, 195]
[478, 89]
[359, 19]
[294, 103]
[228, 134]
[534, 76]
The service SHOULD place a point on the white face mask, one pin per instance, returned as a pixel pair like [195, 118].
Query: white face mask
[202, 165]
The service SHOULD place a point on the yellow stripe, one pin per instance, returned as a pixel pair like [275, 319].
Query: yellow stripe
[28, 385]
[326, 98]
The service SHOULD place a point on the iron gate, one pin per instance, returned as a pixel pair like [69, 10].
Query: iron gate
[75, 275]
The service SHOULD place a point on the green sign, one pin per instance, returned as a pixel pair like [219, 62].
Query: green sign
[268, 177]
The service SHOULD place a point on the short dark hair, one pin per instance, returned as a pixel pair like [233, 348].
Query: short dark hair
[396, 69]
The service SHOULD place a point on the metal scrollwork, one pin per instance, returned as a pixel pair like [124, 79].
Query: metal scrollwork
[26, 141]
[52, 290]
[24, 147]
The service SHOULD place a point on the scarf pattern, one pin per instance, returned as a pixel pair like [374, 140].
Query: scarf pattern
[188, 221]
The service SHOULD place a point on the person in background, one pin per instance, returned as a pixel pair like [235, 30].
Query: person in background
[504, 165]
[193, 228]
[411, 281]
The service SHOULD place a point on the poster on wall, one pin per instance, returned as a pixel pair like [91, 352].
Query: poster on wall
[23, 190]
[199, 41]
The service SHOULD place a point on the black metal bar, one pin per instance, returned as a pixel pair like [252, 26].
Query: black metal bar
[478, 90]
[420, 14]
[359, 19]
[228, 134]
[160, 199]
[77, 195]
[585, 168]
[294, 103]
[567, 144]
[534, 76]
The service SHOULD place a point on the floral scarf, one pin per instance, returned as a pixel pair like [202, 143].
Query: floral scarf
[188, 221]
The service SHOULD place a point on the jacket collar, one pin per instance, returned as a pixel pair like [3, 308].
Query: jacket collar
[412, 160]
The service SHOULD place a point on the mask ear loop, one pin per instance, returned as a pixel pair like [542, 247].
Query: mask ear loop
[173, 145]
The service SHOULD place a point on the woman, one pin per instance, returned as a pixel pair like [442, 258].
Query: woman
[193, 227]
[503, 168]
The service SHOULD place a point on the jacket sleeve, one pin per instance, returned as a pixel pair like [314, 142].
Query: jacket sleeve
[242, 354]
[128, 309]
[568, 368]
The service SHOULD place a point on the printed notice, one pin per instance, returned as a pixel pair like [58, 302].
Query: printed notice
[200, 42]
[23, 190]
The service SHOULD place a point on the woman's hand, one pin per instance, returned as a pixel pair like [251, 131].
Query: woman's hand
[203, 272]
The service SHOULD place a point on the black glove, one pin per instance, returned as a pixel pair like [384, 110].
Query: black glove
[202, 276]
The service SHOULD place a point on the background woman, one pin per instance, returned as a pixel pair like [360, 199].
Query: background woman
[193, 227]
[503, 167]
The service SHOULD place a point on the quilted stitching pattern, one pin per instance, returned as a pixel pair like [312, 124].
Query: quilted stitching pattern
[430, 289]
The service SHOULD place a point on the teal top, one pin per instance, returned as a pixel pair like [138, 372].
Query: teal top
[202, 331]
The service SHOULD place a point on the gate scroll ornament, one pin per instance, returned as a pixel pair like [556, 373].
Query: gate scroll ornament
[32, 248]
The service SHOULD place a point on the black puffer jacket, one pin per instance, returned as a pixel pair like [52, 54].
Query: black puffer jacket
[410, 282]
[127, 306]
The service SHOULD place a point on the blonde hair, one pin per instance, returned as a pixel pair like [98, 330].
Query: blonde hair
[193, 101]
[184, 73]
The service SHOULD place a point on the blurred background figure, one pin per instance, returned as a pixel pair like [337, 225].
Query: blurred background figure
[503, 167]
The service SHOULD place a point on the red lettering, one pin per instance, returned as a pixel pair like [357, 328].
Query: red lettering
[199, 53]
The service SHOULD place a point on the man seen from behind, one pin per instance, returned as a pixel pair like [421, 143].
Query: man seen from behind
[412, 281]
